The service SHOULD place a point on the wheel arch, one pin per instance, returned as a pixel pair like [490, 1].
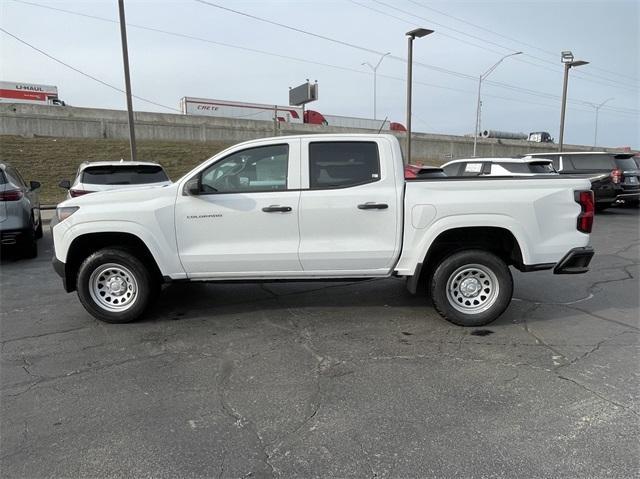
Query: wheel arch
[497, 239]
[85, 245]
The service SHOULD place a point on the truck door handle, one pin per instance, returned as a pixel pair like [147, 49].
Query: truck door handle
[276, 208]
[373, 206]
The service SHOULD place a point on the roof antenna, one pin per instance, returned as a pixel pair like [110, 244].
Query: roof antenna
[382, 126]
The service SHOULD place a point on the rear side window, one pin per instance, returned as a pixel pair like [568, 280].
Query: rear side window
[451, 170]
[3, 179]
[123, 175]
[472, 169]
[591, 162]
[342, 164]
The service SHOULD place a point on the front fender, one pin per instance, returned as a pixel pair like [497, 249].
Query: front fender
[161, 247]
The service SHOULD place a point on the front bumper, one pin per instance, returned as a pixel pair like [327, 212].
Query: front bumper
[60, 268]
[575, 261]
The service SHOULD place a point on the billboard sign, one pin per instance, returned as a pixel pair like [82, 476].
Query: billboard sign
[305, 93]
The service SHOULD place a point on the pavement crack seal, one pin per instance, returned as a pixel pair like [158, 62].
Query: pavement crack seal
[35, 336]
[49, 379]
[226, 370]
[597, 394]
[367, 461]
[594, 349]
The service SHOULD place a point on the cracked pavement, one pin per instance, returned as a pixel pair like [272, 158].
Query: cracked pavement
[326, 379]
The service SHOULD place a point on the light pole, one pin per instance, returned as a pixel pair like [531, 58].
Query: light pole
[567, 59]
[375, 69]
[417, 33]
[127, 79]
[482, 77]
[597, 107]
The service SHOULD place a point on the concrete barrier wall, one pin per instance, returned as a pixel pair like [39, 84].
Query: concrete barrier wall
[72, 122]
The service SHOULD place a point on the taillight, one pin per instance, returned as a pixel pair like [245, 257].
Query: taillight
[585, 218]
[11, 195]
[616, 176]
[76, 193]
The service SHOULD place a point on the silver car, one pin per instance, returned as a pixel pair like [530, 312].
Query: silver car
[20, 222]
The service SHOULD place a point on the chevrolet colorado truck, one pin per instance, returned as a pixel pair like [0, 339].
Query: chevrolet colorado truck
[322, 207]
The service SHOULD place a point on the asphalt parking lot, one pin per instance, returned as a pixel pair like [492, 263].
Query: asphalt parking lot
[327, 379]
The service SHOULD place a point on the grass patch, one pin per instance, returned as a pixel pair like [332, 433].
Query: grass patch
[49, 160]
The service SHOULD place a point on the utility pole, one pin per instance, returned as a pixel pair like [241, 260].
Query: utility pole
[127, 79]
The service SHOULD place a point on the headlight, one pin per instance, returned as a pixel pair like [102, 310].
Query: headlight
[63, 212]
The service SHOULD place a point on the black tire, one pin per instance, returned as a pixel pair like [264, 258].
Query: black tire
[480, 274]
[39, 232]
[126, 272]
[29, 246]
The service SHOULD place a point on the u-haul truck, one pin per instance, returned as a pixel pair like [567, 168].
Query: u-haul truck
[18, 92]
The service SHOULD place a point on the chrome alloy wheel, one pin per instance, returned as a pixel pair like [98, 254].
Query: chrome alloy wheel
[472, 288]
[113, 287]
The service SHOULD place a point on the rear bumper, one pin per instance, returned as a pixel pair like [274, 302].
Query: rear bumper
[629, 196]
[11, 237]
[575, 261]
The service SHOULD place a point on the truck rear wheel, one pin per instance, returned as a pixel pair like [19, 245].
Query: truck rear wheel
[114, 286]
[471, 288]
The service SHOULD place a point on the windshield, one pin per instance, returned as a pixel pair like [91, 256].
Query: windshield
[123, 175]
[626, 164]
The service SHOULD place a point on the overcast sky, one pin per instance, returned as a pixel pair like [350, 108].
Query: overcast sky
[521, 95]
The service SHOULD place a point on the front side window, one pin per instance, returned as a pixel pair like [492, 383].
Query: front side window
[263, 168]
[341, 164]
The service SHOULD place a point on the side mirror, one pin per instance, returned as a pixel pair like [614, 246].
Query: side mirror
[34, 185]
[192, 187]
[66, 184]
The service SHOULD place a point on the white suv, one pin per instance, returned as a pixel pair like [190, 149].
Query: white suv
[526, 166]
[113, 175]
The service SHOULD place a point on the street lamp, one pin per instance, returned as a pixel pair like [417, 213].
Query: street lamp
[417, 33]
[375, 69]
[597, 107]
[567, 59]
[482, 77]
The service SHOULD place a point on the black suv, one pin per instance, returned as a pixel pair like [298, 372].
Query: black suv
[614, 176]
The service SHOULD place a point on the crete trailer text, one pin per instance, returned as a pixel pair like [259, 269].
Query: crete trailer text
[288, 114]
[15, 92]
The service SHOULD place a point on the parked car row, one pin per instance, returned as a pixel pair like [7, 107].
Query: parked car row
[20, 220]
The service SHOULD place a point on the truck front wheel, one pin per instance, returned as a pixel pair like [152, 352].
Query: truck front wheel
[114, 286]
[471, 288]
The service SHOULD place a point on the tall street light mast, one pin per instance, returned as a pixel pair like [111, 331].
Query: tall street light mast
[482, 77]
[567, 59]
[375, 70]
[413, 34]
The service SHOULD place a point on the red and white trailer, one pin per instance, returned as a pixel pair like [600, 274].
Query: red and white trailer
[18, 92]
[287, 114]
[240, 110]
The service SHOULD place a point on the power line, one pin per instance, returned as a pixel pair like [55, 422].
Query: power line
[394, 57]
[304, 60]
[529, 45]
[581, 75]
[81, 72]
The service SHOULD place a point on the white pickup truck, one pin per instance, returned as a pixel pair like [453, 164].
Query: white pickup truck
[322, 207]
